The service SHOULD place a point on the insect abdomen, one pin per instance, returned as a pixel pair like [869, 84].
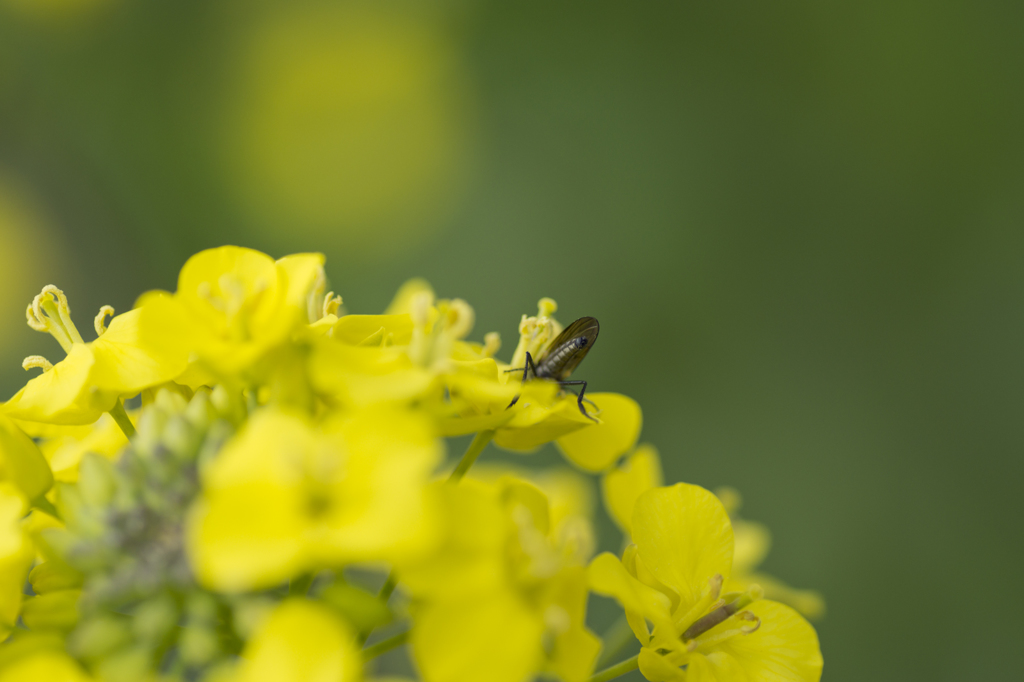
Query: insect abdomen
[552, 365]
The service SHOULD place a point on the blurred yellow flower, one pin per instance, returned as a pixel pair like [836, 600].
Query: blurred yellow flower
[284, 497]
[301, 641]
[232, 307]
[349, 121]
[502, 597]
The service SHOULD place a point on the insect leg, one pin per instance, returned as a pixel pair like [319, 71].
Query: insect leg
[583, 388]
[526, 370]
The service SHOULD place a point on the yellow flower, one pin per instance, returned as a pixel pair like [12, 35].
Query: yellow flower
[284, 497]
[94, 375]
[673, 579]
[16, 555]
[232, 307]
[302, 641]
[504, 595]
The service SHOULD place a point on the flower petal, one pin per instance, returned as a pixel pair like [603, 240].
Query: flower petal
[21, 461]
[783, 649]
[621, 486]
[596, 447]
[609, 577]
[493, 637]
[63, 394]
[301, 640]
[126, 362]
[684, 537]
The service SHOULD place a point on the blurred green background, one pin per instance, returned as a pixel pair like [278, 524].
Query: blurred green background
[799, 224]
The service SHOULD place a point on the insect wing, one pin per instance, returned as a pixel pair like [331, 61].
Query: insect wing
[583, 328]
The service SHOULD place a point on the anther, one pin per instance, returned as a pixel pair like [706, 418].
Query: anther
[100, 321]
[492, 343]
[460, 318]
[747, 615]
[331, 304]
[546, 307]
[49, 312]
[36, 361]
[715, 585]
[33, 320]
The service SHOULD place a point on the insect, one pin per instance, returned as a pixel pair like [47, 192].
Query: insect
[562, 356]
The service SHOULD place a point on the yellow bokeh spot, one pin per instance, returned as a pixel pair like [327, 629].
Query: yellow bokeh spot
[347, 121]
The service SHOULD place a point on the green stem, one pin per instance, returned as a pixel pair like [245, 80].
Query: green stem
[626, 666]
[299, 586]
[615, 639]
[385, 645]
[480, 442]
[388, 588]
[121, 417]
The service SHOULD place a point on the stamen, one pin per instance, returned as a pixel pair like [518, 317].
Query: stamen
[714, 589]
[100, 321]
[331, 304]
[50, 313]
[546, 307]
[460, 318]
[36, 361]
[720, 614]
[33, 321]
[492, 344]
[747, 615]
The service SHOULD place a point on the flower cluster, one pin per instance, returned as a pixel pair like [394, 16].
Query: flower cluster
[277, 460]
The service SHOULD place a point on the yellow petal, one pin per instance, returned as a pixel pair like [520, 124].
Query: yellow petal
[606, 575]
[127, 362]
[362, 329]
[684, 537]
[596, 447]
[576, 648]
[380, 508]
[657, 669]
[469, 555]
[621, 486]
[537, 423]
[305, 274]
[52, 666]
[246, 536]
[65, 452]
[63, 394]
[16, 556]
[301, 640]
[21, 461]
[355, 376]
[494, 637]
[784, 648]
